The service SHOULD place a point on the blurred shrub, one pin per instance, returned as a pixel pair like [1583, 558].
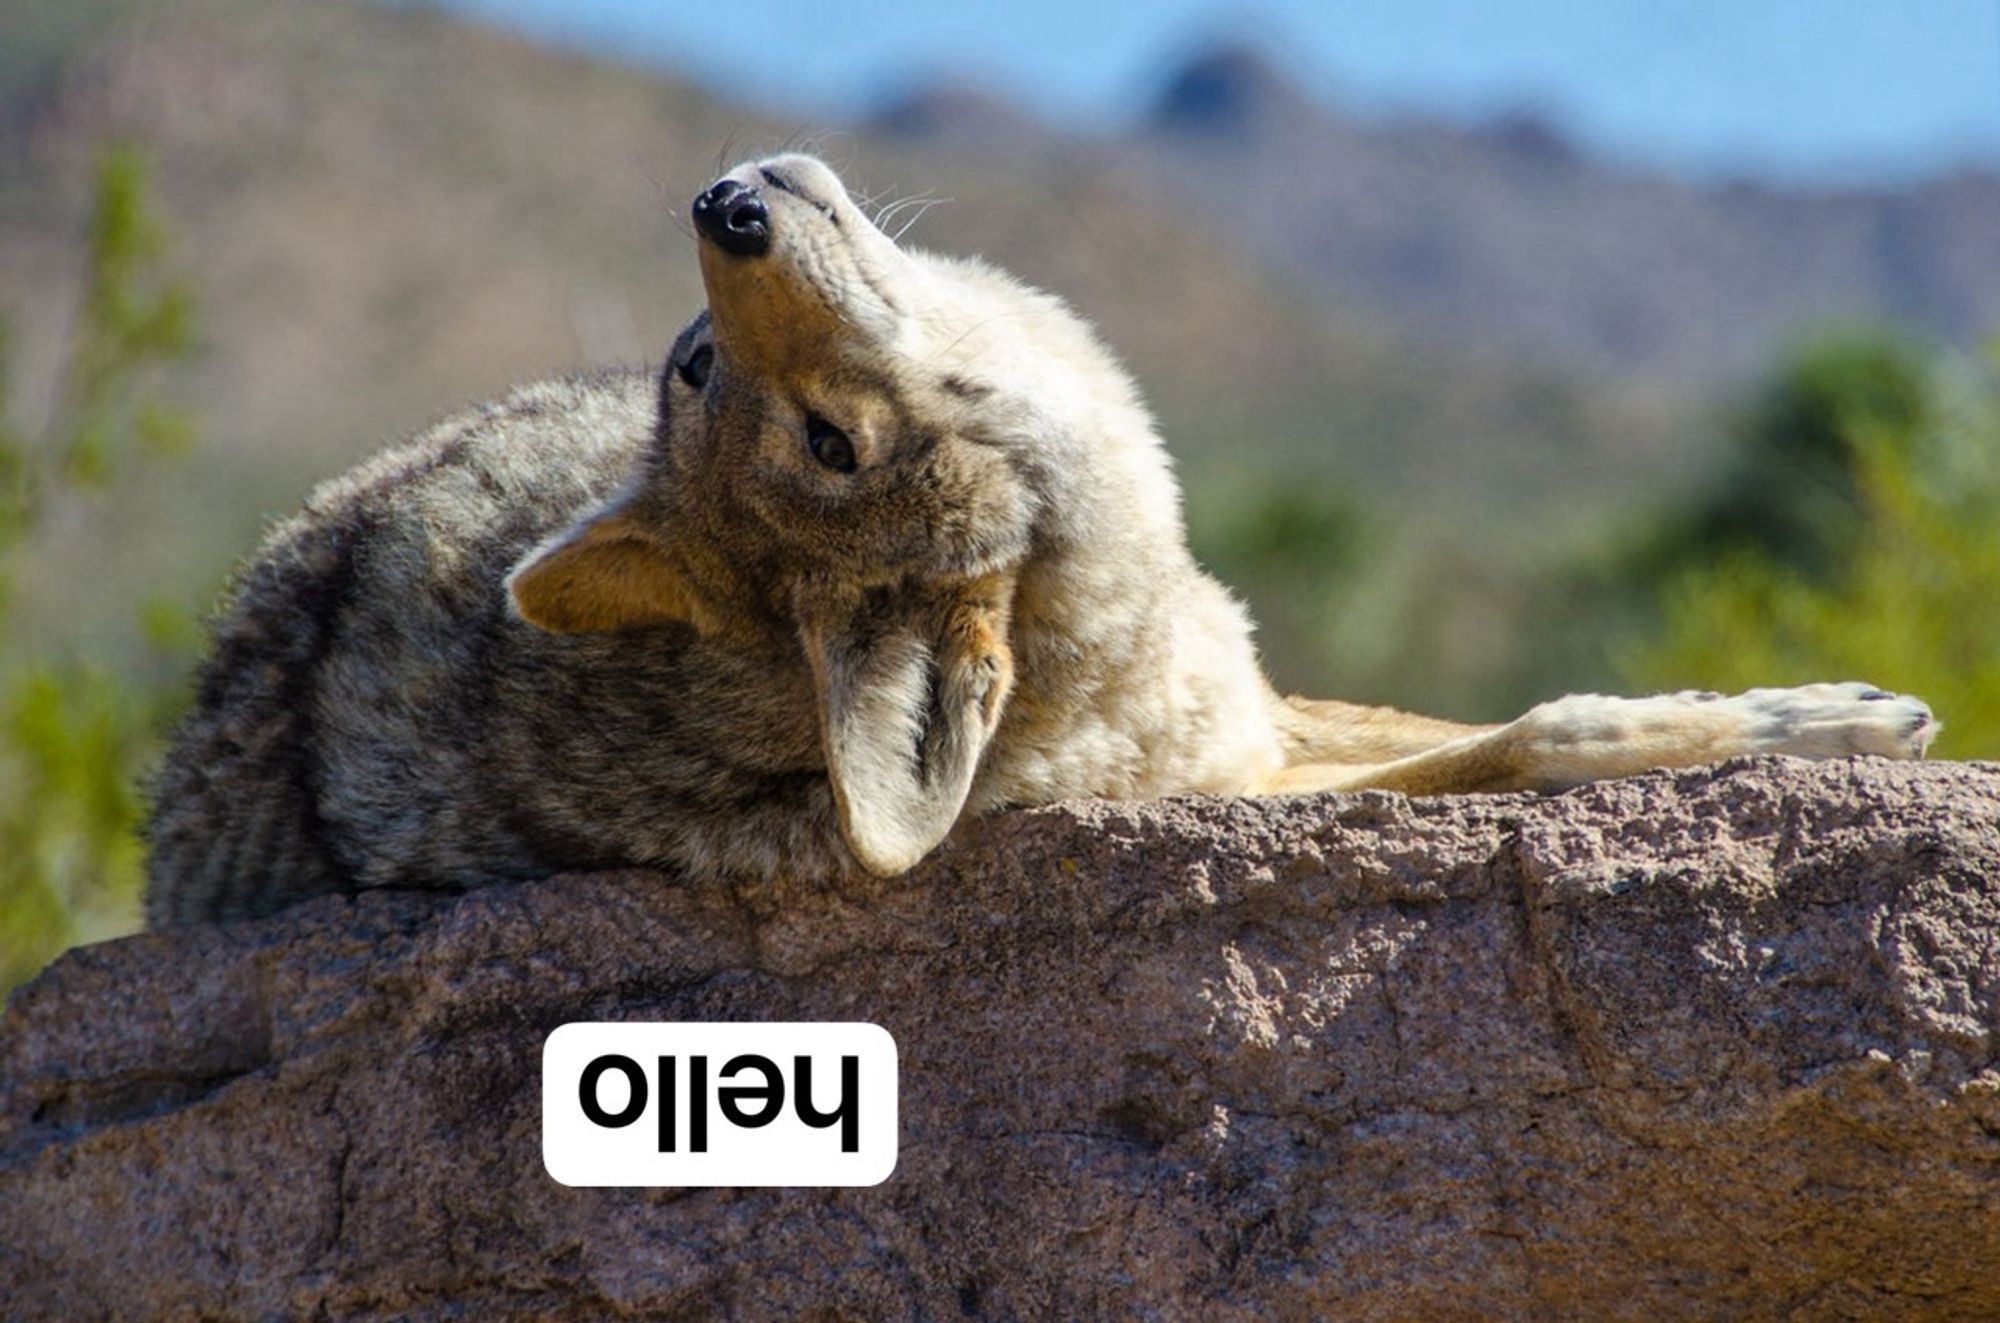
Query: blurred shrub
[74, 738]
[1289, 545]
[1793, 494]
[1861, 540]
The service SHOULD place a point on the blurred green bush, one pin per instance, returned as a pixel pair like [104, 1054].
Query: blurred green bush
[1853, 533]
[1859, 539]
[76, 738]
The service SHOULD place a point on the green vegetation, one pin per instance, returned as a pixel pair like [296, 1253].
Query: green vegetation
[1853, 533]
[1793, 495]
[75, 738]
[1290, 548]
[1860, 540]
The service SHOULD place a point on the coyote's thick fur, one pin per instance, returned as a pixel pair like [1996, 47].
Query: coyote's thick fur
[890, 539]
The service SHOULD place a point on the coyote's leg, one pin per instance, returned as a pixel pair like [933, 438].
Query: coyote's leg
[1320, 731]
[1587, 737]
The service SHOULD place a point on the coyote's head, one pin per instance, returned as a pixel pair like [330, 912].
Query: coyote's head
[854, 449]
[828, 426]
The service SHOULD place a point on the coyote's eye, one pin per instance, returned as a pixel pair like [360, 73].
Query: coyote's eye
[695, 370]
[829, 444]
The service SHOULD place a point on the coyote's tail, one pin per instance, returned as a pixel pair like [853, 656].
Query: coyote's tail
[235, 829]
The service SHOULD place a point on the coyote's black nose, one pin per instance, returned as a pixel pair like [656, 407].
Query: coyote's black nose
[735, 218]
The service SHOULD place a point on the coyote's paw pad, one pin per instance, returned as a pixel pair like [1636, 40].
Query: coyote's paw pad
[1832, 720]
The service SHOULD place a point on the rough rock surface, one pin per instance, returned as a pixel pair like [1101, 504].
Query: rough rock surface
[1714, 1044]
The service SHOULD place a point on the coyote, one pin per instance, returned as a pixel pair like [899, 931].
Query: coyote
[890, 540]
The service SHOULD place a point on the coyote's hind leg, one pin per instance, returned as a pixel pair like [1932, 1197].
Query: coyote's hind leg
[1322, 731]
[1588, 737]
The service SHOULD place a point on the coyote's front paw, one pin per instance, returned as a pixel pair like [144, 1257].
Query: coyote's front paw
[1832, 720]
[977, 663]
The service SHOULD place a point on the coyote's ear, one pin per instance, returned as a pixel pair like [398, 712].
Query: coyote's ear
[910, 694]
[607, 572]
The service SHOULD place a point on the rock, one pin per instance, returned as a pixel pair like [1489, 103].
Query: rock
[1718, 1043]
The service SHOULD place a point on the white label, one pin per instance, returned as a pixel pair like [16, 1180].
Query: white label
[719, 1104]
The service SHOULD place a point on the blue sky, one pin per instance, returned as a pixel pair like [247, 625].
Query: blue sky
[1812, 88]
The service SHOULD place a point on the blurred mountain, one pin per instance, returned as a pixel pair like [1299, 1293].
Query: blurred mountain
[1230, 92]
[1506, 233]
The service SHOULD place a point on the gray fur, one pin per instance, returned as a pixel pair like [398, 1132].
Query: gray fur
[373, 715]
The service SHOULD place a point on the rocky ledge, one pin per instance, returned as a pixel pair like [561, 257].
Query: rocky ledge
[1712, 1044]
